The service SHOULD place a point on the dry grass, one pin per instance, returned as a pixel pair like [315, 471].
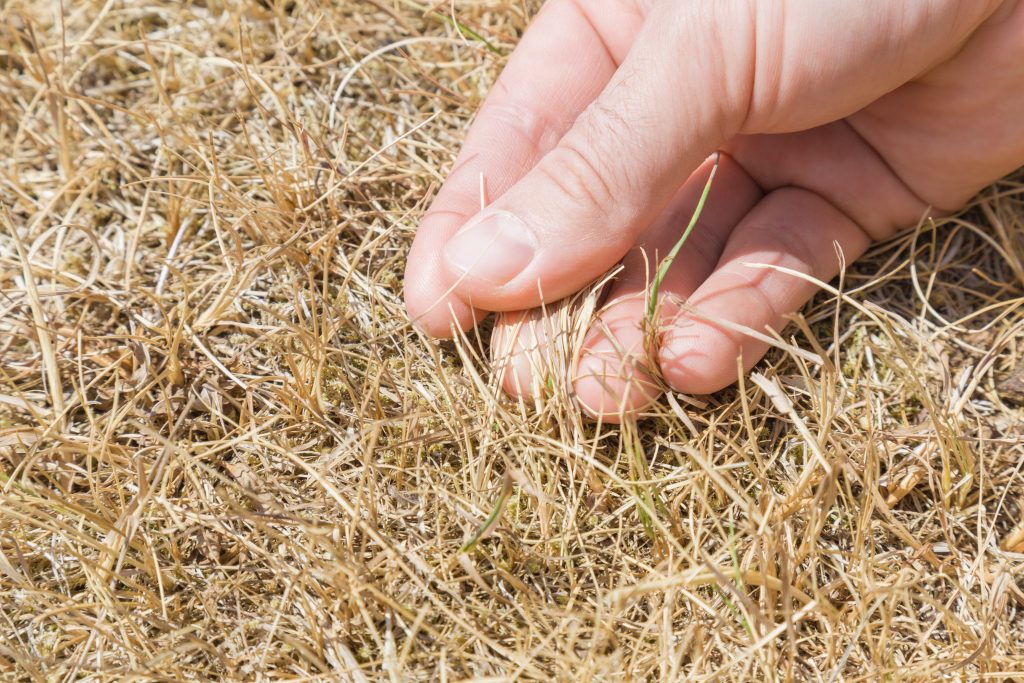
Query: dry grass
[224, 454]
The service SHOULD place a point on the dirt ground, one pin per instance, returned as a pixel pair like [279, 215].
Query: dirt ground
[226, 455]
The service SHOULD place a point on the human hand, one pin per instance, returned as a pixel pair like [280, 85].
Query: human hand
[840, 123]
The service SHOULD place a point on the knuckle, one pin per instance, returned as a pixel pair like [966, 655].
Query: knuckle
[762, 309]
[798, 245]
[595, 159]
[578, 175]
[530, 127]
[793, 242]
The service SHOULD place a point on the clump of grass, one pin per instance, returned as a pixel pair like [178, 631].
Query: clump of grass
[225, 455]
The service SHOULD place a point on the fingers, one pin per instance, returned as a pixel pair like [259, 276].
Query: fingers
[580, 209]
[613, 377]
[562, 62]
[612, 371]
[791, 228]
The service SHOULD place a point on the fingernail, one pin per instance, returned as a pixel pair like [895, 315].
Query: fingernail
[494, 247]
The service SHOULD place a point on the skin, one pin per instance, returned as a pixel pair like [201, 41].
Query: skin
[839, 123]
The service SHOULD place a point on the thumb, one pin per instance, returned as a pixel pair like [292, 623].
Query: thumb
[578, 211]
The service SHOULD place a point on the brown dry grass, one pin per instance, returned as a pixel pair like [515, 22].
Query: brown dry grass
[225, 455]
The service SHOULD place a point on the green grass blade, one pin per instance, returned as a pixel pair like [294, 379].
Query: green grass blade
[492, 519]
[468, 31]
[452, 21]
[666, 263]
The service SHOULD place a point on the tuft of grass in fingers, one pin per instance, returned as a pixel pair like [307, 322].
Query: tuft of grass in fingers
[666, 263]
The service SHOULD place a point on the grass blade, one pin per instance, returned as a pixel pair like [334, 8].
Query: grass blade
[666, 263]
[492, 519]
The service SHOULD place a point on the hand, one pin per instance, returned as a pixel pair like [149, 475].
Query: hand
[839, 123]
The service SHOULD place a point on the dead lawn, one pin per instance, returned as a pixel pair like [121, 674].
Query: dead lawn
[225, 455]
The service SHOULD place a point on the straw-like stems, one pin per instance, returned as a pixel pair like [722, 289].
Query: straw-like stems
[263, 472]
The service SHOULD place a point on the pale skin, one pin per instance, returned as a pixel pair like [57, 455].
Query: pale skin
[838, 124]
